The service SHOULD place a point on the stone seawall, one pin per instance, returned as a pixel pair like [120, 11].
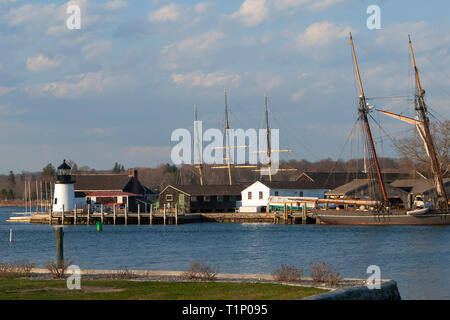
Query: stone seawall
[388, 291]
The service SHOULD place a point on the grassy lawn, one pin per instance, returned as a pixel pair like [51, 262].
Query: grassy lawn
[19, 289]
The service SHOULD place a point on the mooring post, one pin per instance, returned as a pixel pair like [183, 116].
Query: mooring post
[59, 247]
[62, 215]
[139, 213]
[176, 214]
[101, 213]
[50, 216]
[151, 214]
[164, 214]
[114, 212]
[75, 215]
[304, 213]
[10, 235]
[89, 214]
[126, 214]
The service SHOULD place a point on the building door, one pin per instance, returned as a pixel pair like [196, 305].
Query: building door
[181, 200]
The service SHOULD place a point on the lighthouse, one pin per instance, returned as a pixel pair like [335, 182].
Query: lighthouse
[64, 195]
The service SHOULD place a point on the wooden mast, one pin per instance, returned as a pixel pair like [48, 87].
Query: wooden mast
[269, 148]
[423, 114]
[227, 132]
[199, 165]
[363, 112]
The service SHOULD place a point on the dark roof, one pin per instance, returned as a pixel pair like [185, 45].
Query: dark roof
[209, 190]
[349, 187]
[332, 180]
[100, 182]
[292, 184]
[416, 186]
[64, 166]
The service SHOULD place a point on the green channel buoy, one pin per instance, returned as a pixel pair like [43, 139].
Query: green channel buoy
[99, 226]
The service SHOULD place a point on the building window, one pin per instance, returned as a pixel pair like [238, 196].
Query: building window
[194, 199]
[220, 198]
[276, 193]
[56, 200]
[207, 198]
[260, 195]
[250, 195]
[301, 193]
[169, 197]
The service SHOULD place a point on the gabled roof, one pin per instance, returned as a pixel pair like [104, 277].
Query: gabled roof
[100, 182]
[349, 187]
[417, 186]
[207, 190]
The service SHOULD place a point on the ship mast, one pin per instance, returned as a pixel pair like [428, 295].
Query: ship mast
[269, 150]
[422, 110]
[199, 165]
[227, 130]
[363, 111]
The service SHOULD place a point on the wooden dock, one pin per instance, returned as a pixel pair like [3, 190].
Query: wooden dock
[168, 218]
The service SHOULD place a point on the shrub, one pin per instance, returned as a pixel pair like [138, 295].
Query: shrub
[124, 274]
[333, 279]
[200, 271]
[15, 269]
[319, 271]
[58, 272]
[287, 273]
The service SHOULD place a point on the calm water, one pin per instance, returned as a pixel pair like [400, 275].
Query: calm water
[418, 258]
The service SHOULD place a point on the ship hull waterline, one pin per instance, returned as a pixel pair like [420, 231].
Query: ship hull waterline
[343, 217]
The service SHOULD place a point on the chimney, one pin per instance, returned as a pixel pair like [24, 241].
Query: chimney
[133, 173]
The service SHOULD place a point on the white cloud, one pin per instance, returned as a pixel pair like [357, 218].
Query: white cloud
[202, 7]
[96, 49]
[285, 5]
[41, 63]
[198, 79]
[116, 4]
[6, 90]
[322, 34]
[252, 12]
[296, 96]
[87, 83]
[170, 12]
[192, 47]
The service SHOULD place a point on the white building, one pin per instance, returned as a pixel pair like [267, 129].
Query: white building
[256, 197]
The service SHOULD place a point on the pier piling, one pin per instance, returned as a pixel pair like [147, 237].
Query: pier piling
[75, 216]
[59, 246]
[10, 235]
[101, 213]
[139, 214]
[114, 213]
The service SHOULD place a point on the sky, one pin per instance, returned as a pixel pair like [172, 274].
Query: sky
[116, 89]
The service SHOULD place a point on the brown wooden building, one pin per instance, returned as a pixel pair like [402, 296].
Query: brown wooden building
[112, 189]
[205, 199]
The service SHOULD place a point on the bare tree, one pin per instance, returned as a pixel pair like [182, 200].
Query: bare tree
[412, 148]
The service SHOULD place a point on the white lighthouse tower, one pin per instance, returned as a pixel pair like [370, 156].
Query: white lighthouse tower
[64, 195]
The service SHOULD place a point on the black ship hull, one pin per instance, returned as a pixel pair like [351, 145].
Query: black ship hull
[346, 217]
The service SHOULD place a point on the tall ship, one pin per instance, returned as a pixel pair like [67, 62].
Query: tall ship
[378, 209]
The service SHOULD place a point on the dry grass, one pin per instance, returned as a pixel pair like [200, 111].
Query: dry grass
[287, 273]
[200, 271]
[58, 272]
[13, 270]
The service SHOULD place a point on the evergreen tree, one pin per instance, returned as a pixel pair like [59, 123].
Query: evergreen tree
[12, 178]
[10, 195]
[49, 170]
[3, 194]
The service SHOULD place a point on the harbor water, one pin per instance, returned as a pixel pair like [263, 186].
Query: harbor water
[417, 257]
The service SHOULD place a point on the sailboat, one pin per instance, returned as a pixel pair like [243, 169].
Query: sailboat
[378, 210]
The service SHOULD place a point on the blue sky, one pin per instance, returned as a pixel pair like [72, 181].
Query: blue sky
[116, 89]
